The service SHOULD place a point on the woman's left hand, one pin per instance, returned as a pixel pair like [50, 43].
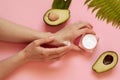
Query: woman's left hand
[34, 51]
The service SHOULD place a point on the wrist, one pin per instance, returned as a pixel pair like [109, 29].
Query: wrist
[22, 56]
[42, 35]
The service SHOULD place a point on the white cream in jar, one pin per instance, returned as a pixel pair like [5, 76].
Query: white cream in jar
[89, 41]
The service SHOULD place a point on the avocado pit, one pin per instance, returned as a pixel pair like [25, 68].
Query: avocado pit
[53, 16]
[108, 60]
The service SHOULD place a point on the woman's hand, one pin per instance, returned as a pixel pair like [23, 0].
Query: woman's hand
[71, 32]
[34, 51]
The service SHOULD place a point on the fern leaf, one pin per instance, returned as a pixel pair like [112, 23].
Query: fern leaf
[108, 10]
[87, 1]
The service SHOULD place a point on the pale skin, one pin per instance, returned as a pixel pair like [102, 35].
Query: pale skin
[34, 51]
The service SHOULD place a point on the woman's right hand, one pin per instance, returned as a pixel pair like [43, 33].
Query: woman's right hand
[34, 51]
[70, 32]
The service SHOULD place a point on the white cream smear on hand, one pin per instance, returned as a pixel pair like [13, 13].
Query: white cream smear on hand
[89, 41]
[68, 43]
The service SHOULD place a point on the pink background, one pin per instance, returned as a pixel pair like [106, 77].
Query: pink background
[73, 66]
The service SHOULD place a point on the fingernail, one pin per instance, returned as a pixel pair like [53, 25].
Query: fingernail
[68, 43]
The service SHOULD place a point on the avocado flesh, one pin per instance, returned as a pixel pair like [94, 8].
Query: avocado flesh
[105, 62]
[64, 15]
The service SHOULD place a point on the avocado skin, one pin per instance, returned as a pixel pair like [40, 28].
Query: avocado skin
[54, 25]
[100, 57]
[51, 25]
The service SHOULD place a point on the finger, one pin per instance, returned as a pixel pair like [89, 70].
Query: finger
[55, 59]
[86, 31]
[76, 48]
[57, 50]
[81, 25]
[48, 51]
[39, 60]
[82, 32]
[55, 56]
[42, 41]
[38, 57]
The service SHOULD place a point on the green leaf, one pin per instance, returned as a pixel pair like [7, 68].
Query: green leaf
[86, 1]
[108, 10]
[61, 4]
[58, 4]
[54, 5]
[67, 4]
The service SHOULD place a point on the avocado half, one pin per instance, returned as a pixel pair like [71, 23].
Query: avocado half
[105, 62]
[55, 17]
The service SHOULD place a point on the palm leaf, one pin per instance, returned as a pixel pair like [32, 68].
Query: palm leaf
[108, 10]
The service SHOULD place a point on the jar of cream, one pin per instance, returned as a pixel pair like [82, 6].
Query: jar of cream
[87, 42]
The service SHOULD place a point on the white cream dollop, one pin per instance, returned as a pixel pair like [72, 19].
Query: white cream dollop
[68, 43]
